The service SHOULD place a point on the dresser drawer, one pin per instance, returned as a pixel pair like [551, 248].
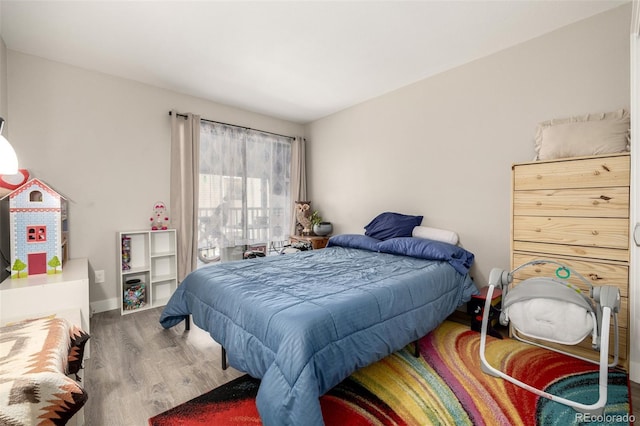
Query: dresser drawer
[579, 231]
[594, 172]
[595, 272]
[588, 202]
[594, 253]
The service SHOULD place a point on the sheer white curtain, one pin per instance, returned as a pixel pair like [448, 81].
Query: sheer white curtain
[244, 190]
[185, 140]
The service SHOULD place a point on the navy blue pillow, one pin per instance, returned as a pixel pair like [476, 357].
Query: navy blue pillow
[390, 225]
[354, 241]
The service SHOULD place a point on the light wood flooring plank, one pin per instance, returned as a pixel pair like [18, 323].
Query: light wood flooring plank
[138, 369]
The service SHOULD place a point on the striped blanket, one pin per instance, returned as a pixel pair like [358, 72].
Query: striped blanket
[37, 357]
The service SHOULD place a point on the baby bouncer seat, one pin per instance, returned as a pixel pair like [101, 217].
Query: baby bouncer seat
[553, 310]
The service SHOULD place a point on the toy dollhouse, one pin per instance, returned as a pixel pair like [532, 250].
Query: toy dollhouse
[37, 229]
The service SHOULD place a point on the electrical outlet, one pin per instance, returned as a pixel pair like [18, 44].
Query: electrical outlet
[99, 276]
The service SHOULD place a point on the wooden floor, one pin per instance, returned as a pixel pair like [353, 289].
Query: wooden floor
[138, 369]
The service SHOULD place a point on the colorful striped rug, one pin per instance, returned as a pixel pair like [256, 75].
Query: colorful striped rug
[445, 386]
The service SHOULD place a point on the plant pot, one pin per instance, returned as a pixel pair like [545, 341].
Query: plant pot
[323, 228]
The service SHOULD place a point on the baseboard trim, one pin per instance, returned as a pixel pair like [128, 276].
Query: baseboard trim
[634, 371]
[104, 305]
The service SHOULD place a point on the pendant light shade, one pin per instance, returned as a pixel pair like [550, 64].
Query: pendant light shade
[8, 157]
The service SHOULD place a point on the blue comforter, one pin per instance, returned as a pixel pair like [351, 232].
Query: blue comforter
[304, 322]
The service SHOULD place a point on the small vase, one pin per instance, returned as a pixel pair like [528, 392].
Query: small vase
[323, 228]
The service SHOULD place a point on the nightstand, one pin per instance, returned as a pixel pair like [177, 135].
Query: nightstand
[317, 242]
[475, 308]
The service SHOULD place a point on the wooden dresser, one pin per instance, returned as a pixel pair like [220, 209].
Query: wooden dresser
[575, 211]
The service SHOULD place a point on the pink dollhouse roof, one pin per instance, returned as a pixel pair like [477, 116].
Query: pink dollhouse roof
[31, 183]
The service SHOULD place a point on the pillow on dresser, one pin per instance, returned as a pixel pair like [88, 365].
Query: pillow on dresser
[591, 134]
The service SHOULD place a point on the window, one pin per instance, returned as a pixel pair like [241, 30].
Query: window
[36, 234]
[244, 191]
[35, 196]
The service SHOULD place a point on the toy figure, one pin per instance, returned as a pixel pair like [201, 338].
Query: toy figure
[303, 216]
[160, 218]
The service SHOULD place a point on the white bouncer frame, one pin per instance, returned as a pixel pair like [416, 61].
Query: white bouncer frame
[607, 300]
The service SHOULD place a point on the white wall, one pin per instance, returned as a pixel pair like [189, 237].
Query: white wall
[104, 143]
[443, 147]
[3, 81]
[3, 73]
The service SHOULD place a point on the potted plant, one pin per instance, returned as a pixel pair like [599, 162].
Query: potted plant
[319, 227]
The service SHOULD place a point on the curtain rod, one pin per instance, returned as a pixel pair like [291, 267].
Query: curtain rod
[233, 125]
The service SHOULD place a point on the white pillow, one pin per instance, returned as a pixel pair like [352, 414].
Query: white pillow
[435, 234]
[592, 134]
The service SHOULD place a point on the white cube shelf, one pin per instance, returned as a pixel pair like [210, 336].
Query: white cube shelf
[147, 268]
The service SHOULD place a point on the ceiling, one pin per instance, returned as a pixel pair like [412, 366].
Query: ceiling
[295, 60]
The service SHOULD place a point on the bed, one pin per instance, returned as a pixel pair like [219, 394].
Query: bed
[40, 360]
[303, 322]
